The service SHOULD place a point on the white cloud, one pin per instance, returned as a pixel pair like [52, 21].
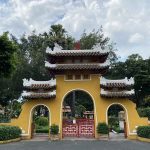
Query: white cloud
[136, 38]
[125, 21]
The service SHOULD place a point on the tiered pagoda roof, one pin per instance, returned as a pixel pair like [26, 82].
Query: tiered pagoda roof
[94, 60]
[117, 88]
[39, 89]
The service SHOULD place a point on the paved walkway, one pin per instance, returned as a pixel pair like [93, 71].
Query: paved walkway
[116, 136]
[76, 145]
[40, 137]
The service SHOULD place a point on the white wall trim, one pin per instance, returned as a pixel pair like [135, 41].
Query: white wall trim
[126, 114]
[30, 117]
[77, 89]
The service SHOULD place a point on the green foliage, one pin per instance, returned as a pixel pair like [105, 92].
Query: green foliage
[79, 110]
[16, 109]
[144, 112]
[143, 131]
[7, 51]
[82, 102]
[136, 67]
[42, 129]
[113, 122]
[41, 121]
[54, 129]
[4, 118]
[88, 40]
[102, 128]
[29, 59]
[147, 99]
[9, 132]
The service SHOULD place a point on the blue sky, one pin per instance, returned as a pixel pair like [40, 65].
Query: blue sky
[126, 22]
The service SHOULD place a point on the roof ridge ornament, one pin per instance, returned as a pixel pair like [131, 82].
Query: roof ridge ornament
[97, 46]
[57, 47]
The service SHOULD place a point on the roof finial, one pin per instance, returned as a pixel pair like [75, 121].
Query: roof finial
[77, 45]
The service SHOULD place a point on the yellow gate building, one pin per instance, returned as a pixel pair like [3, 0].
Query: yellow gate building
[78, 70]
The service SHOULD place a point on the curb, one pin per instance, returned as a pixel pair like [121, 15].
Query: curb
[143, 139]
[9, 141]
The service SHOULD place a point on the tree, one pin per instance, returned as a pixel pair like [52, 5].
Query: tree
[136, 67]
[58, 34]
[30, 59]
[7, 51]
[87, 41]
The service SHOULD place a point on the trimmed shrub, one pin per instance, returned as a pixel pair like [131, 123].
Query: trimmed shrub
[42, 129]
[102, 128]
[54, 129]
[9, 132]
[143, 131]
[41, 121]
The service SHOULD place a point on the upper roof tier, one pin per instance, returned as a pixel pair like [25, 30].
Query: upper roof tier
[32, 84]
[95, 51]
[122, 83]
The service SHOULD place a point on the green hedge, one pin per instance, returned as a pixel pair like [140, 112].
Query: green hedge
[42, 129]
[102, 128]
[54, 129]
[9, 132]
[41, 121]
[143, 131]
[4, 118]
[144, 112]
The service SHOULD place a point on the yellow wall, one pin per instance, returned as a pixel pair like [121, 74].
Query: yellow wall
[100, 106]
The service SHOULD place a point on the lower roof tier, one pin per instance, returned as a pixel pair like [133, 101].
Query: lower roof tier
[117, 94]
[38, 95]
[77, 66]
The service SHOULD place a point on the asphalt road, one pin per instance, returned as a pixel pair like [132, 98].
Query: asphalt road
[76, 145]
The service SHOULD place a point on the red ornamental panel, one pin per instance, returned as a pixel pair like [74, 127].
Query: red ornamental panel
[70, 130]
[82, 128]
[86, 130]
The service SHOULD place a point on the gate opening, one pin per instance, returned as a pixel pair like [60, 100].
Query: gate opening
[78, 115]
[40, 122]
[117, 122]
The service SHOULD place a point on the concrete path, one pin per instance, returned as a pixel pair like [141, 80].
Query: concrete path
[40, 137]
[76, 145]
[116, 136]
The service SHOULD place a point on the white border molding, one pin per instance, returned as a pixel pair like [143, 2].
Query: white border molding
[77, 89]
[30, 117]
[126, 113]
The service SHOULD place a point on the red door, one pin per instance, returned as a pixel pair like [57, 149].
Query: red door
[82, 128]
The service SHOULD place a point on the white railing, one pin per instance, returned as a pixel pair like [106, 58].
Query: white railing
[104, 81]
[116, 93]
[105, 64]
[25, 93]
[58, 49]
[28, 83]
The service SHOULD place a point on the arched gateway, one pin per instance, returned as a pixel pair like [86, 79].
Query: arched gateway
[78, 115]
[73, 70]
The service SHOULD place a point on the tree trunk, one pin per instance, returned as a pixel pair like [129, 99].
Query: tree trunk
[73, 103]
